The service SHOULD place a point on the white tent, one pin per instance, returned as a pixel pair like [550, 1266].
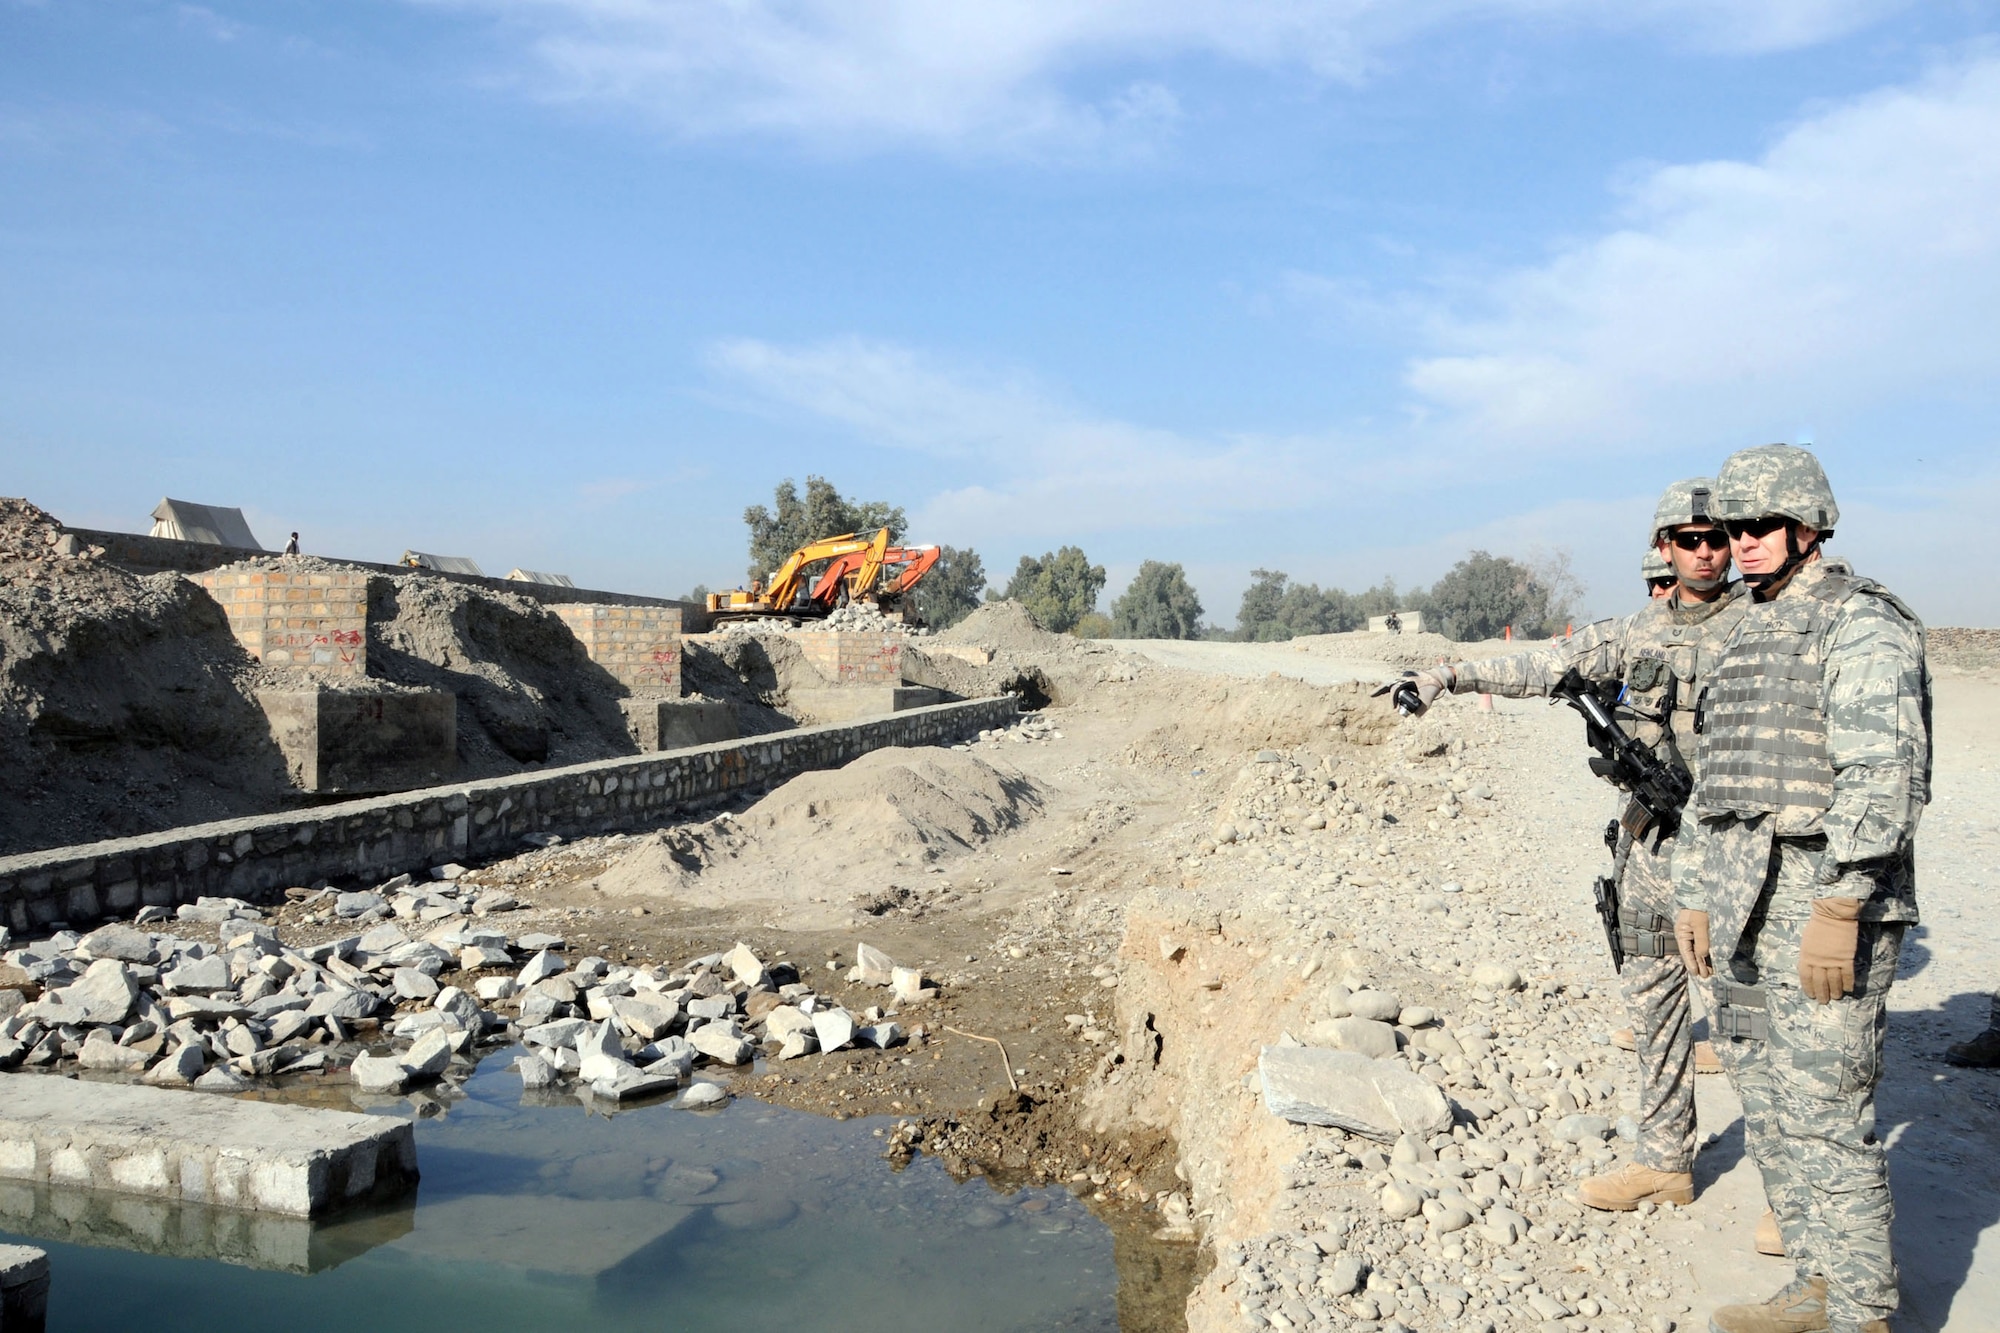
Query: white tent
[536, 576]
[212, 525]
[446, 564]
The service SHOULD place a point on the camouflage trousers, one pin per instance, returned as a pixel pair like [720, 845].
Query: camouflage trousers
[1808, 1096]
[1656, 995]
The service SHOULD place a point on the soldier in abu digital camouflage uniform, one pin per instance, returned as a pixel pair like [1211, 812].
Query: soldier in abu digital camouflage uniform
[1797, 879]
[1659, 655]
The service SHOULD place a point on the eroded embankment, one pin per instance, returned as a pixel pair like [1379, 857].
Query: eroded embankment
[1386, 900]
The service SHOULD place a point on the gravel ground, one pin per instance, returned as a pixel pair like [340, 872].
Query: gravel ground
[1342, 898]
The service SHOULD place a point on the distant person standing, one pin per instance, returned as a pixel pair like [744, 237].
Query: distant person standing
[292, 546]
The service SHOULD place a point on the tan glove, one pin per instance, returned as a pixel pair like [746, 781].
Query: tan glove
[1415, 691]
[1826, 953]
[1691, 933]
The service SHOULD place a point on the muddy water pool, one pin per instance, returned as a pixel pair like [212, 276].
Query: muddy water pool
[553, 1216]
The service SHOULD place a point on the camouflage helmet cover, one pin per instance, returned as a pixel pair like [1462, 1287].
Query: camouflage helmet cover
[1776, 481]
[1689, 501]
[1654, 566]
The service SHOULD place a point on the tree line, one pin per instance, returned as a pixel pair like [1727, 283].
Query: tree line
[1480, 596]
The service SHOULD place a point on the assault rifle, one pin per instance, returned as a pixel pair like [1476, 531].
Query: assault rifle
[1659, 791]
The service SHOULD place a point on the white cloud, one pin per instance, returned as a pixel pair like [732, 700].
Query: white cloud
[1855, 263]
[1044, 468]
[1028, 75]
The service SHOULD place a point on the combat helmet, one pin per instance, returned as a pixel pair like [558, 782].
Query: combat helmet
[1776, 481]
[1689, 501]
[1654, 566]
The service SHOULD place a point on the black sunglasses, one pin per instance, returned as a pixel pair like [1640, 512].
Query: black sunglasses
[1753, 527]
[1712, 538]
[1664, 581]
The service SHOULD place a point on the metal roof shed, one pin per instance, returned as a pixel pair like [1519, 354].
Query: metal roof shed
[536, 576]
[444, 564]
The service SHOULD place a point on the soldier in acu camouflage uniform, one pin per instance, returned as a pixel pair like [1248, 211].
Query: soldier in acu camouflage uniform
[1660, 656]
[1813, 764]
[1658, 574]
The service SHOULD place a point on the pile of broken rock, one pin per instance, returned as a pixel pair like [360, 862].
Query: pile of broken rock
[178, 1012]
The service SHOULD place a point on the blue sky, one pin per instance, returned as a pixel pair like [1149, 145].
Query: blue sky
[1342, 287]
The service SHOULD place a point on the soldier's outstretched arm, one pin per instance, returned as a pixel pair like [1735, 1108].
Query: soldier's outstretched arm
[1597, 651]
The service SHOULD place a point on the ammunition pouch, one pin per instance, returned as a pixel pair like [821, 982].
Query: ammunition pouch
[1740, 1012]
[1643, 934]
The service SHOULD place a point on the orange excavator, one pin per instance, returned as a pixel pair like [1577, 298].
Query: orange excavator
[862, 578]
[862, 567]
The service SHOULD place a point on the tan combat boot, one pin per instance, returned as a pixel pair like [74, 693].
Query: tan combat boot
[1632, 1184]
[1799, 1308]
[1625, 1039]
[1770, 1240]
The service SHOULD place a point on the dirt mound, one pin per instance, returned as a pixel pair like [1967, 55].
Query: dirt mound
[126, 706]
[1007, 627]
[835, 836]
[999, 649]
[28, 537]
[527, 691]
[927, 804]
[1963, 649]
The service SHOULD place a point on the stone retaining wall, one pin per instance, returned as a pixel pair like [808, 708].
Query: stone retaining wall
[375, 839]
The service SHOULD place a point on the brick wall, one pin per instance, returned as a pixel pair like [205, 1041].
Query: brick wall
[371, 840]
[847, 658]
[639, 645]
[285, 619]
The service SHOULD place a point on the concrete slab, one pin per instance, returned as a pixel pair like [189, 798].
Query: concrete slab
[362, 740]
[544, 1233]
[676, 724]
[24, 1288]
[844, 703]
[198, 1147]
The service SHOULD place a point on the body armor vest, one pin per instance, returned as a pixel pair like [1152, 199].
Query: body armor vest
[1763, 740]
[1668, 653]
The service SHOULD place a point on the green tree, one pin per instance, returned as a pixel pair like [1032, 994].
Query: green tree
[1058, 589]
[950, 592]
[821, 513]
[1484, 593]
[1159, 604]
[1275, 608]
[1092, 625]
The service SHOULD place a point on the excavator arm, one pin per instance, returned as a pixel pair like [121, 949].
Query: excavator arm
[899, 569]
[788, 577]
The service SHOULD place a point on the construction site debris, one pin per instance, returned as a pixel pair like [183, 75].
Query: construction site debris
[162, 1008]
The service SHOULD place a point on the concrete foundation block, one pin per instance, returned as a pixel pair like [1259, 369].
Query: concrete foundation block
[363, 741]
[845, 703]
[195, 1147]
[677, 724]
[24, 1288]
